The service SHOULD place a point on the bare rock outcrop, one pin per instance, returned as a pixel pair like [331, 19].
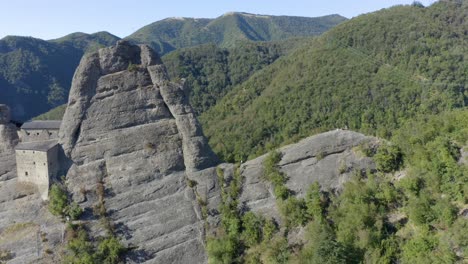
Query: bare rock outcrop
[129, 129]
[329, 158]
[8, 132]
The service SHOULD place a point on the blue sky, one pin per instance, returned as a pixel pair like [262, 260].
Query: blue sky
[49, 19]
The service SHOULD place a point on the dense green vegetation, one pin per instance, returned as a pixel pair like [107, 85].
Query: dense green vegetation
[82, 249]
[368, 74]
[225, 31]
[35, 75]
[61, 205]
[377, 217]
[210, 71]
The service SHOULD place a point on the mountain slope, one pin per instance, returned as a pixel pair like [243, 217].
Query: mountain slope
[210, 72]
[173, 33]
[368, 74]
[35, 75]
[88, 42]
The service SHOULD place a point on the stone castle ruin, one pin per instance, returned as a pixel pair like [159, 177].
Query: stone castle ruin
[37, 155]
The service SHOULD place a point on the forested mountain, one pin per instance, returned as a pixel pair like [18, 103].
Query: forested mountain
[173, 33]
[87, 42]
[210, 71]
[368, 74]
[35, 75]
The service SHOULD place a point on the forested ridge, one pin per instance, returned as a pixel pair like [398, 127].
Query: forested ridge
[411, 209]
[210, 72]
[225, 31]
[35, 74]
[368, 74]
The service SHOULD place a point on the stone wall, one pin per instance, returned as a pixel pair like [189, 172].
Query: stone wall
[37, 167]
[38, 135]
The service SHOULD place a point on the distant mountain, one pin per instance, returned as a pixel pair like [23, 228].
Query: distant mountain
[173, 33]
[35, 74]
[370, 74]
[88, 42]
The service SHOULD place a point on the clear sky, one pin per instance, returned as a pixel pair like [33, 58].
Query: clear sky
[49, 19]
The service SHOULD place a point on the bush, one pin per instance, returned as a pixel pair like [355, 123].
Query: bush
[293, 211]
[388, 158]
[74, 211]
[132, 67]
[252, 229]
[313, 202]
[109, 250]
[277, 251]
[58, 201]
[222, 250]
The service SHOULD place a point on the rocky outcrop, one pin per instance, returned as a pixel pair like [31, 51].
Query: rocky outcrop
[130, 129]
[138, 153]
[329, 158]
[8, 131]
[463, 156]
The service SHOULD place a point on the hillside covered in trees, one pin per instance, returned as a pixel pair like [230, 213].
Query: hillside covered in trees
[368, 74]
[210, 72]
[225, 31]
[35, 75]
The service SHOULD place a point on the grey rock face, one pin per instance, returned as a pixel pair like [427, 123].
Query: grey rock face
[327, 158]
[4, 114]
[132, 130]
[464, 155]
[8, 132]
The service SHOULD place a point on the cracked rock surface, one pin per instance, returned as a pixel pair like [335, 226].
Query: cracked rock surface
[329, 158]
[137, 149]
[131, 129]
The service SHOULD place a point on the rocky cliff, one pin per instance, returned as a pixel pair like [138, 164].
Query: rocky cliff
[131, 130]
[142, 170]
[329, 158]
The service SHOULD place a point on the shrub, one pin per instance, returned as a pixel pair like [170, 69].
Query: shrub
[222, 250]
[252, 229]
[313, 201]
[74, 211]
[269, 229]
[58, 200]
[5, 255]
[293, 211]
[132, 67]
[388, 158]
[109, 250]
[277, 251]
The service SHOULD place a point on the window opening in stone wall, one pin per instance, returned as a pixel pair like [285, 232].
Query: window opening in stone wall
[26, 173]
